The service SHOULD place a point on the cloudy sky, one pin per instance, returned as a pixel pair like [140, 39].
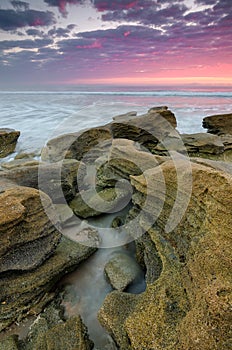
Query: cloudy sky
[160, 42]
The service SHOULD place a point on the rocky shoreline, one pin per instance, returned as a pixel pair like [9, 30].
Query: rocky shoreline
[176, 194]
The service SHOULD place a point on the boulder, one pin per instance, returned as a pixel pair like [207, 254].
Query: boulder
[91, 203]
[218, 124]
[58, 180]
[125, 158]
[27, 235]
[51, 330]
[8, 141]
[27, 293]
[121, 270]
[9, 343]
[203, 143]
[147, 129]
[187, 305]
[18, 163]
[76, 145]
[90, 144]
[69, 335]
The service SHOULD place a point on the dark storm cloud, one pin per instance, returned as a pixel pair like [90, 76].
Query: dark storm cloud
[11, 19]
[20, 5]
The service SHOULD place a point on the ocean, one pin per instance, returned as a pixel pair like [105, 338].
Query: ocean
[41, 115]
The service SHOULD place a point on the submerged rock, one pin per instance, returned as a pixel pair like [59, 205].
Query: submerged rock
[218, 124]
[8, 141]
[121, 271]
[188, 305]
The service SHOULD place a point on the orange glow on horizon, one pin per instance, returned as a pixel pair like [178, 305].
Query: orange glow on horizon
[222, 81]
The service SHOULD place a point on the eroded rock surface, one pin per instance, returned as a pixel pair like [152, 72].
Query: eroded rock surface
[8, 141]
[218, 124]
[188, 305]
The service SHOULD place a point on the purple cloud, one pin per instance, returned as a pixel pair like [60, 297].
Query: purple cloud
[61, 4]
[20, 5]
[11, 19]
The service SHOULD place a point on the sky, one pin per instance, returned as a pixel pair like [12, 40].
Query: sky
[124, 42]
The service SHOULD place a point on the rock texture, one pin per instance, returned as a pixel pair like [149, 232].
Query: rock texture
[8, 141]
[91, 203]
[218, 124]
[51, 331]
[90, 144]
[27, 293]
[58, 180]
[76, 145]
[187, 305]
[27, 235]
[121, 270]
[33, 257]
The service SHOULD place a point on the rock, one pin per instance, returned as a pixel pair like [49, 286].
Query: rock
[27, 293]
[91, 203]
[27, 235]
[9, 343]
[8, 141]
[218, 165]
[218, 124]
[113, 314]
[188, 305]
[148, 257]
[51, 330]
[19, 163]
[64, 212]
[90, 144]
[77, 145]
[147, 129]
[25, 155]
[121, 270]
[203, 143]
[125, 158]
[58, 180]
[70, 335]
[125, 115]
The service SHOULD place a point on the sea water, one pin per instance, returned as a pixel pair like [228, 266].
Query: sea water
[42, 115]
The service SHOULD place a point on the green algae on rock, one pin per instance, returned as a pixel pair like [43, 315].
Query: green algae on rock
[27, 293]
[121, 270]
[188, 305]
[8, 141]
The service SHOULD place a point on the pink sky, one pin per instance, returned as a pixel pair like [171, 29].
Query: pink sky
[142, 42]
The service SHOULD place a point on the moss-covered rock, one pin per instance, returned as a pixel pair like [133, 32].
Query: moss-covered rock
[58, 180]
[121, 270]
[188, 305]
[27, 236]
[70, 335]
[27, 293]
[218, 124]
[8, 141]
[91, 203]
[9, 343]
